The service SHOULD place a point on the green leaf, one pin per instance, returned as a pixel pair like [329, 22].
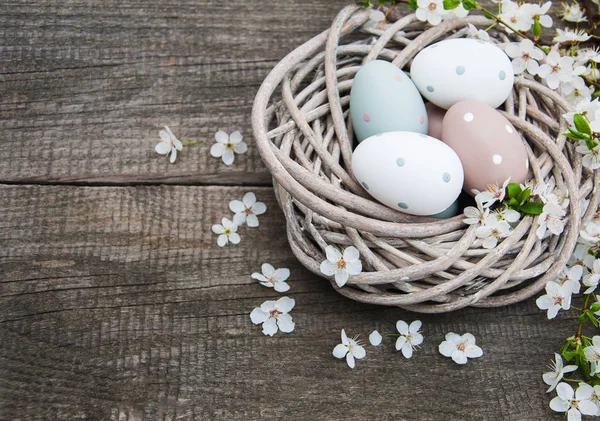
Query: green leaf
[470, 4]
[582, 124]
[488, 15]
[569, 355]
[582, 318]
[575, 135]
[513, 203]
[595, 307]
[413, 4]
[513, 190]
[592, 318]
[451, 4]
[537, 28]
[596, 94]
[532, 208]
[524, 196]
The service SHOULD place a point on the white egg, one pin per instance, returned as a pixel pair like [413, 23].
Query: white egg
[459, 69]
[410, 172]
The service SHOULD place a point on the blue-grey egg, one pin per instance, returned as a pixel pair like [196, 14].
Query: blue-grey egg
[384, 99]
[449, 212]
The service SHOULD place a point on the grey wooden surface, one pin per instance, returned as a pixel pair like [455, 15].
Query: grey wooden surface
[115, 301]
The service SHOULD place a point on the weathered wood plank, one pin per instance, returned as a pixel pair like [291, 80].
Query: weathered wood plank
[116, 303]
[85, 87]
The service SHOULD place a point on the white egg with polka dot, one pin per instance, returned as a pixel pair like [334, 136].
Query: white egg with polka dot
[459, 69]
[410, 172]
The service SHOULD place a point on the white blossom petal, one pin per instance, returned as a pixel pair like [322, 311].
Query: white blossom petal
[217, 150]
[258, 316]
[285, 323]
[340, 351]
[270, 327]
[375, 338]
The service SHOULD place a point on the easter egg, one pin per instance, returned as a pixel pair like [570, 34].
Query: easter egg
[489, 147]
[384, 99]
[459, 69]
[449, 212]
[410, 172]
[435, 115]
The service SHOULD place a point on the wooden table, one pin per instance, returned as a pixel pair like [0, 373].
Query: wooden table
[117, 303]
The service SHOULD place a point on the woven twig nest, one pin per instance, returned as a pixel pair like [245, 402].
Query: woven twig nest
[303, 131]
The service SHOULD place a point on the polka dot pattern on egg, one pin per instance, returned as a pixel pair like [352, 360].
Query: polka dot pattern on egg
[422, 119]
[400, 162]
[402, 205]
[446, 177]
[497, 159]
[367, 117]
[502, 75]
[398, 78]
[460, 70]
[430, 88]
[468, 117]
[365, 185]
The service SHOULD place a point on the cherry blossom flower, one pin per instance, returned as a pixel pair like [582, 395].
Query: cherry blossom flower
[591, 279]
[584, 55]
[226, 146]
[557, 297]
[591, 157]
[556, 69]
[476, 215]
[596, 397]
[549, 193]
[168, 144]
[247, 209]
[459, 348]
[517, 16]
[274, 315]
[430, 11]
[492, 194]
[349, 348]
[581, 257]
[375, 338]
[272, 278]
[574, 403]
[570, 276]
[590, 110]
[341, 266]
[539, 12]
[573, 13]
[492, 232]
[227, 232]
[525, 56]
[409, 338]
[478, 33]
[567, 35]
[504, 216]
[577, 91]
[457, 12]
[553, 377]
[592, 354]
[550, 219]
[591, 233]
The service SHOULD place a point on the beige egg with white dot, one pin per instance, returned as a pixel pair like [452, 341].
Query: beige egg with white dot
[488, 145]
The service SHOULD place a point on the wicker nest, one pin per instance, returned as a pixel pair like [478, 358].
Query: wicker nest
[417, 263]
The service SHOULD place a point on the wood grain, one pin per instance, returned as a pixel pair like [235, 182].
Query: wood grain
[118, 304]
[85, 86]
